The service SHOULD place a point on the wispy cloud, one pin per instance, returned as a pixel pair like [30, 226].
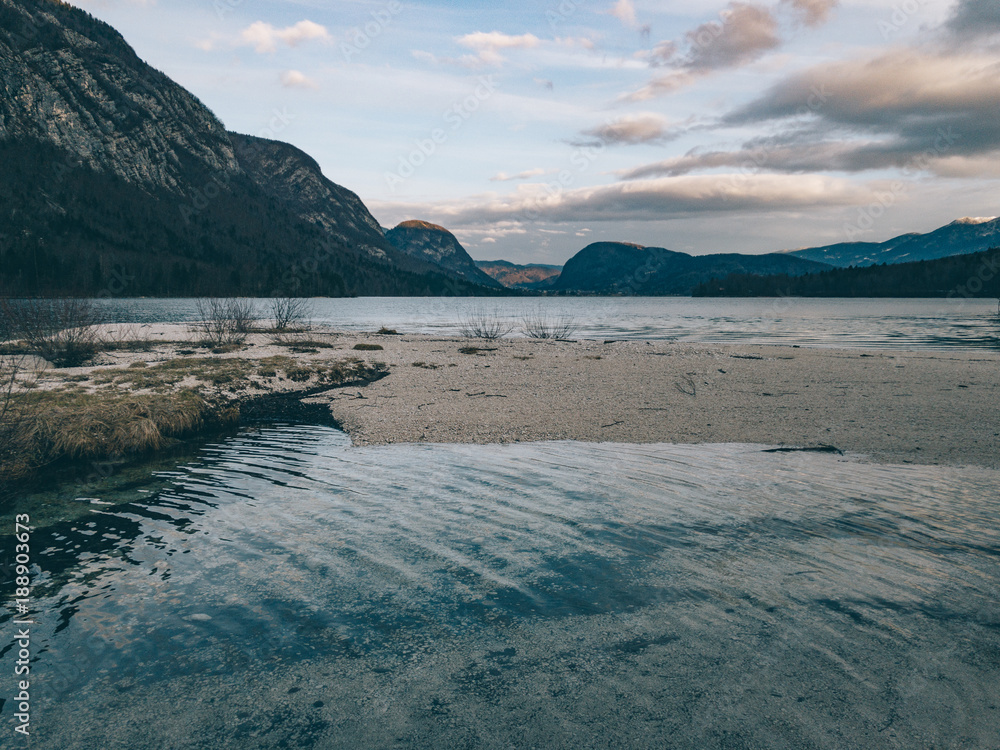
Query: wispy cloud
[742, 34]
[488, 45]
[526, 175]
[265, 38]
[913, 109]
[624, 11]
[644, 200]
[294, 79]
[811, 12]
[642, 128]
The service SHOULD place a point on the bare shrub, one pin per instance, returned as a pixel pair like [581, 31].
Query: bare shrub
[225, 322]
[66, 332]
[537, 325]
[485, 324]
[290, 313]
[243, 314]
[126, 336]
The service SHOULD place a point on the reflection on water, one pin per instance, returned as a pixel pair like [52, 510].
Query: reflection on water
[865, 323]
[286, 590]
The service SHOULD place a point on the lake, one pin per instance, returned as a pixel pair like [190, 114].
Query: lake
[278, 587]
[858, 323]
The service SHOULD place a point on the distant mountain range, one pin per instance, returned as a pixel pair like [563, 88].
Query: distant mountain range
[624, 268]
[116, 180]
[535, 276]
[435, 244]
[967, 235]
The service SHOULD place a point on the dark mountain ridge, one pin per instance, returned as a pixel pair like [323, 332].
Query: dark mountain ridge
[117, 181]
[967, 275]
[626, 268]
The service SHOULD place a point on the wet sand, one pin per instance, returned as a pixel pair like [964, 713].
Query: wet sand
[920, 407]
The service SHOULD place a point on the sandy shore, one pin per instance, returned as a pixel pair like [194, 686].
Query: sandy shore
[917, 407]
[920, 407]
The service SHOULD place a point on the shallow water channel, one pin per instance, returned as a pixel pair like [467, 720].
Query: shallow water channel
[282, 588]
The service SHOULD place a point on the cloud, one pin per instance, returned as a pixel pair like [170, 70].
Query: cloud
[742, 35]
[975, 18]
[487, 46]
[908, 93]
[624, 11]
[829, 156]
[294, 79]
[632, 130]
[265, 38]
[645, 200]
[910, 109]
[661, 54]
[526, 175]
[811, 13]
[746, 32]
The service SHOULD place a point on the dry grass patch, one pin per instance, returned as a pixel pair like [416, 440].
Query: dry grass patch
[165, 375]
[58, 425]
[41, 427]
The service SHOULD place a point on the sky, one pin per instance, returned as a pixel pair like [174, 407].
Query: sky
[531, 129]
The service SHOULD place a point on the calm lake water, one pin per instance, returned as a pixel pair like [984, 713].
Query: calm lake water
[865, 323]
[281, 588]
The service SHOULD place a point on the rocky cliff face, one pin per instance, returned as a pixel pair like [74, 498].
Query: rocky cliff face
[624, 268]
[294, 177]
[116, 180]
[435, 244]
[72, 81]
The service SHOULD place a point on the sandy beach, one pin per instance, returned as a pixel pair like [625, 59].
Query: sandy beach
[893, 406]
[908, 407]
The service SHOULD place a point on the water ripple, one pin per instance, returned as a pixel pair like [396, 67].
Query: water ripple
[649, 593]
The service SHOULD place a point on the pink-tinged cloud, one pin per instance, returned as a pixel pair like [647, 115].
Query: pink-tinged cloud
[265, 38]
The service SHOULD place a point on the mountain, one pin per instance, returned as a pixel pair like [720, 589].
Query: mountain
[956, 277]
[968, 235]
[434, 244]
[625, 268]
[846, 254]
[514, 276]
[294, 178]
[117, 181]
